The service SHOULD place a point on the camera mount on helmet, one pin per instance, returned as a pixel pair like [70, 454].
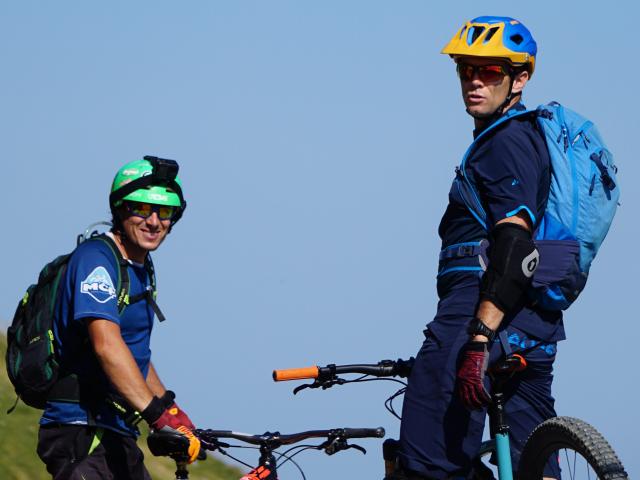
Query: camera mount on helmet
[164, 170]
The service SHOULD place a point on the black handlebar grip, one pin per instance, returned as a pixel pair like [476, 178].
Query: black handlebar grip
[364, 432]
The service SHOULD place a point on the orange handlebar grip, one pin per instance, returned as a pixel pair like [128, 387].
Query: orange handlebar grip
[295, 373]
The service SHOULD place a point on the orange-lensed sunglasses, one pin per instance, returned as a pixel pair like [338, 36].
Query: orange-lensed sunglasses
[145, 210]
[486, 73]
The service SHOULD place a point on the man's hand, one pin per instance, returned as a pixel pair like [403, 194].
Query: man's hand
[163, 414]
[475, 357]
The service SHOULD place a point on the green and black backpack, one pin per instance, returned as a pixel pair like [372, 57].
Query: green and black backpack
[32, 363]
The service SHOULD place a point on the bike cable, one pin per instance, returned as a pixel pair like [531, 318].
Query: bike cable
[388, 403]
[289, 458]
[225, 453]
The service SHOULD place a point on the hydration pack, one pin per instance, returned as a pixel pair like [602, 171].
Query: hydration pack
[31, 359]
[583, 198]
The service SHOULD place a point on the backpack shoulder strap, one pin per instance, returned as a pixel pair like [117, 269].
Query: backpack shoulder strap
[148, 265]
[151, 297]
[123, 274]
[149, 294]
[466, 184]
[491, 128]
[124, 297]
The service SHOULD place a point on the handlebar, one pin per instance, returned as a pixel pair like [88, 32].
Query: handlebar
[175, 445]
[277, 439]
[326, 377]
[385, 368]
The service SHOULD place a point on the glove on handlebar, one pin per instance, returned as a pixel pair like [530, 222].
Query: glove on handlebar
[163, 414]
[471, 373]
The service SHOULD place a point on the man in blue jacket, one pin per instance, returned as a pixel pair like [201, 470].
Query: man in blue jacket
[103, 341]
[483, 310]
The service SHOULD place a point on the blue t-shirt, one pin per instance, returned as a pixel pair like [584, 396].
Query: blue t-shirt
[511, 169]
[89, 290]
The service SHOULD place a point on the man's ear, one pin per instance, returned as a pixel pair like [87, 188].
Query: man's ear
[519, 81]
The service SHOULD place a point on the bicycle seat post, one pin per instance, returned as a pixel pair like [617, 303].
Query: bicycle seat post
[500, 432]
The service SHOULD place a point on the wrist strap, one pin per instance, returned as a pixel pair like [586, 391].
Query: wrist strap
[152, 412]
[168, 398]
[156, 406]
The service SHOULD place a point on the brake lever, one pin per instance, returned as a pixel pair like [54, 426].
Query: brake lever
[302, 387]
[324, 384]
[358, 447]
[339, 444]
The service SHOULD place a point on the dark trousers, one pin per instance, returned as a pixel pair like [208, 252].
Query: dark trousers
[439, 437]
[65, 450]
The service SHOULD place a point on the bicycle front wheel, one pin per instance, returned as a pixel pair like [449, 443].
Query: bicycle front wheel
[580, 449]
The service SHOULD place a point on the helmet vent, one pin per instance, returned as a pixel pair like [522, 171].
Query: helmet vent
[491, 33]
[474, 33]
[517, 38]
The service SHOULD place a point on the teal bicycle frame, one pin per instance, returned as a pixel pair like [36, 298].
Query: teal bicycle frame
[499, 445]
[503, 451]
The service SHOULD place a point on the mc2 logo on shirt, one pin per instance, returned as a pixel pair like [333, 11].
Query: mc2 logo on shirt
[99, 285]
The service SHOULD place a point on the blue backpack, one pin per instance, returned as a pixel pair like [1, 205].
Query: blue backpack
[583, 198]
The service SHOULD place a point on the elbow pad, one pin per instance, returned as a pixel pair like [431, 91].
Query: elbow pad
[513, 259]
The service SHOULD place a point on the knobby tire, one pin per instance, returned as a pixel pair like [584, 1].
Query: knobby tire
[571, 434]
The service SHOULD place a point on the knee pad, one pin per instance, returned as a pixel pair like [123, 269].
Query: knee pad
[513, 259]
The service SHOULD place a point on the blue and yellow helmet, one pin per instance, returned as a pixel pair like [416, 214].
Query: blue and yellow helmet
[496, 37]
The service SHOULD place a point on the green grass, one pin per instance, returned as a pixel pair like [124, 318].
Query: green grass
[19, 433]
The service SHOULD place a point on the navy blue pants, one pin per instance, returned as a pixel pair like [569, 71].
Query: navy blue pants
[439, 437]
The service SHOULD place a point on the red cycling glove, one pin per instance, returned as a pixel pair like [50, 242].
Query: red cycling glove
[182, 417]
[475, 358]
[172, 419]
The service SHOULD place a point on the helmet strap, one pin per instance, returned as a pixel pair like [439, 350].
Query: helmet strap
[510, 96]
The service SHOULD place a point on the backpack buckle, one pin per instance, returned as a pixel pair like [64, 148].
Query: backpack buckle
[466, 250]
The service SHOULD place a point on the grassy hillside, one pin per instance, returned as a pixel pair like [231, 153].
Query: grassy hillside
[19, 433]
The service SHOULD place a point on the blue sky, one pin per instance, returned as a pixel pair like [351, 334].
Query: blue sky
[317, 142]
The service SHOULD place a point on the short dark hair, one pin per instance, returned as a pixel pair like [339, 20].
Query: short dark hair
[116, 220]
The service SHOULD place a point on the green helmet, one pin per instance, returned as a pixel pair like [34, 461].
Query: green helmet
[151, 180]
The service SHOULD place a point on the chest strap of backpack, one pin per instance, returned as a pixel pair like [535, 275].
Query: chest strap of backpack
[464, 257]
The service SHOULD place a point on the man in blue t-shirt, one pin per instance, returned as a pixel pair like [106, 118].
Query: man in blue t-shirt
[485, 269]
[102, 337]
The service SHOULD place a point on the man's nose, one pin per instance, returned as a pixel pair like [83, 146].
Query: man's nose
[475, 78]
[153, 219]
